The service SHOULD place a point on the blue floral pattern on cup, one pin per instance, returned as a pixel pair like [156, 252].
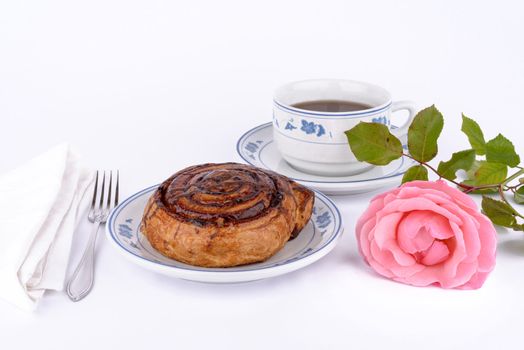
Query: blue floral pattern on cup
[312, 128]
[381, 120]
[306, 127]
[290, 126]
[322, 129]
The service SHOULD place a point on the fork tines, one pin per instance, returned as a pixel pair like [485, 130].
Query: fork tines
[106, 201]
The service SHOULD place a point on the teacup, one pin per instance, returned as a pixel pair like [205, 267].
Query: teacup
[313, 141]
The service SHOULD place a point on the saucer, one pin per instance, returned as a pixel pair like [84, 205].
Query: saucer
[257, 148]
[316, 239]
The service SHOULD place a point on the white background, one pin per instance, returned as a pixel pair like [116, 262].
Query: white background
[152, 86]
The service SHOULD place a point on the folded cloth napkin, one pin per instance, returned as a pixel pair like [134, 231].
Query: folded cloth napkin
[39, 203]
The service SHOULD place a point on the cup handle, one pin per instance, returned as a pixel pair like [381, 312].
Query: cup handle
[402, 131]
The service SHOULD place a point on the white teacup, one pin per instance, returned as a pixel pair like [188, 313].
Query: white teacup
[313, 141]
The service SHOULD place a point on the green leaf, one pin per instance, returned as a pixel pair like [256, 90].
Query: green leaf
[459, 160]
[423, 134]
[521, 180]
[518, 227]
[486, 173]
[474, 134]
[416, 172]
[501, 150]
[373, 143]
[479, 191]
[519, 195]
[499, 212]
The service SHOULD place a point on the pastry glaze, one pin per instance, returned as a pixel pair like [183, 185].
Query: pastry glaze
[220, 215]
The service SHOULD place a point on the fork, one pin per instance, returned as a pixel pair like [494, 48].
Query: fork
[81, 282]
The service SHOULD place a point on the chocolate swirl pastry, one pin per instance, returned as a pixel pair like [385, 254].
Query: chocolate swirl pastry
[219, 215]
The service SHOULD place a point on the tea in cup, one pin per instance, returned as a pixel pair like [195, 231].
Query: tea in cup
[311, 116]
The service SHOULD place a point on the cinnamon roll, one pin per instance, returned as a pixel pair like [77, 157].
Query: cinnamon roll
[220, 215]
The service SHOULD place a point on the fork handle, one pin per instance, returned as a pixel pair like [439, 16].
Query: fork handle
[81, 282]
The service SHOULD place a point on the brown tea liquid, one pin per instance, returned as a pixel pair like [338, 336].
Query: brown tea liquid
[332, 106]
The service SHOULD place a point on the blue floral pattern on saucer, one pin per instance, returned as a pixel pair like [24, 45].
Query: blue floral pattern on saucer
[266, 155]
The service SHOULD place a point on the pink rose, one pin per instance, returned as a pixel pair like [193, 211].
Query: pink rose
[426, 232]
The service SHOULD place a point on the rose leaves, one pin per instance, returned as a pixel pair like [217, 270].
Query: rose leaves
[485, 165]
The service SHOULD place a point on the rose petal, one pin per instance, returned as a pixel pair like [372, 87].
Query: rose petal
[464, 273]
[425, 277]
[434, 224]
[385, 238]
[476, 281]
[389, 198]
[471, 239]
[420, 203]
[415, 192]
[407, 270]
[423, 240]
[409, 228]
[488, 243]
[401, 257]
[374, 206]
[437, 253]
[449, 268]
[378, 259]
[386, 227]
[441, 185]
[362, 237]
[439, 227]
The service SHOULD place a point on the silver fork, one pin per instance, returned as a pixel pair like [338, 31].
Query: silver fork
[81, 282]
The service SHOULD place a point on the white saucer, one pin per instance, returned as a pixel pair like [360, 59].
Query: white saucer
[257, 148]
[318, 238]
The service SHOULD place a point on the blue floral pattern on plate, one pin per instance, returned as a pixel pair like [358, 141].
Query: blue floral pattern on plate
[323, 220]
[321, 231]
[125, 230]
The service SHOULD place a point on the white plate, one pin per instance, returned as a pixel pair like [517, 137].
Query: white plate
[316, 240]
[257, 148]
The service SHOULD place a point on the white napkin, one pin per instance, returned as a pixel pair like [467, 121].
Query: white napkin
[39, 204]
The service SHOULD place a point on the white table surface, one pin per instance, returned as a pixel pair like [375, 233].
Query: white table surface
[150, 87]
